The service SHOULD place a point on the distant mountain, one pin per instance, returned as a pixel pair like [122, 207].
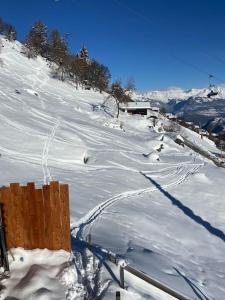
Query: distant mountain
[165, 96]
[192, 105]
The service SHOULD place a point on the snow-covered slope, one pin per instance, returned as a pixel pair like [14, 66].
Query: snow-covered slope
[152, 202]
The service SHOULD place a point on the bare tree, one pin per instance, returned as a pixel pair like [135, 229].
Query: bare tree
[118, 92]
[130, 86]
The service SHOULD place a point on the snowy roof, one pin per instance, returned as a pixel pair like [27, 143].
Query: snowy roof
[155, 108]
[169, 115]
[136, 105]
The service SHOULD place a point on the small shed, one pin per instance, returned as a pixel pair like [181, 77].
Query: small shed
[203, 132]
[171, 117]
[189, 125]
[196, 128]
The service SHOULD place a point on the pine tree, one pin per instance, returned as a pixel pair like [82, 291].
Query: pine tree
[10, 32]
[98, 75]
[37, 40]
[58, 49]
[1, 26]
[58, 53]
[7, 30]
[83, 54]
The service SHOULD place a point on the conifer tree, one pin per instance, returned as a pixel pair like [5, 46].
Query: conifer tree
[58, 49]
[83, 53]
[7, 30]
[37, 40]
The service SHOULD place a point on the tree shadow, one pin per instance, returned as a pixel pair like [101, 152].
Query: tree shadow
[188, 212]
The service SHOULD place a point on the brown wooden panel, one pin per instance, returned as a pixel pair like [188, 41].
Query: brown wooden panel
[48, 241]
[65, 217]
[17, 214]
[32, 216]
[26, 219]
[36, 218]
[39, 206]
[56, 215]
[8, 218]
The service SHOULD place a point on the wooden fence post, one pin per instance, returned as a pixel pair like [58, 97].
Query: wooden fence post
[56, 215]
[31, 216]
[18, 214]
[65, 217]
[121, 277]
[48, 218]
[117, 295]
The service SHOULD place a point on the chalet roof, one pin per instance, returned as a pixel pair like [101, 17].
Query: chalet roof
[135, 105]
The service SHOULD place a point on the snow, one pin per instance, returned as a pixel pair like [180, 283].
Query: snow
[157, 205]
[41, 269]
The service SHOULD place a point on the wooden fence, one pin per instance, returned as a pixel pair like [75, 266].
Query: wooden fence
[36, 217]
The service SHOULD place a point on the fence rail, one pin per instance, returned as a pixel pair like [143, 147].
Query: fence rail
[36, 217]
[146, 278]
[155, 283]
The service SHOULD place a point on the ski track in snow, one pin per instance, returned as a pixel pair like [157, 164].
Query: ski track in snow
[88, 272]
[91, 216]
[47, 145]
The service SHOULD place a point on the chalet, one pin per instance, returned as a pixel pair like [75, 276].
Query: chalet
[203, 132]
[215, 135]
[196, 128]
[138, 107]
[171, 117]
[189, 125]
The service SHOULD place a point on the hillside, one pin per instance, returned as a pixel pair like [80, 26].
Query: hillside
[161, 211]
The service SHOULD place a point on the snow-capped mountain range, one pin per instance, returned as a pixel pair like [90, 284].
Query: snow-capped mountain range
[165, 96]
[192, 105]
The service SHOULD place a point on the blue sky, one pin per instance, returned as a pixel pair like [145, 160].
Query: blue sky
[160, 43]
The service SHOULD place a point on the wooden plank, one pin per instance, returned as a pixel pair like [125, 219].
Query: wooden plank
[17, 212]
[48, 243]
[8, 218]
[32, 216]
[56, 215]
[65, 217]
[39, 207]
[26, 219]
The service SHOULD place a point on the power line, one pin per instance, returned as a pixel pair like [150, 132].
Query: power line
[193, 66]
